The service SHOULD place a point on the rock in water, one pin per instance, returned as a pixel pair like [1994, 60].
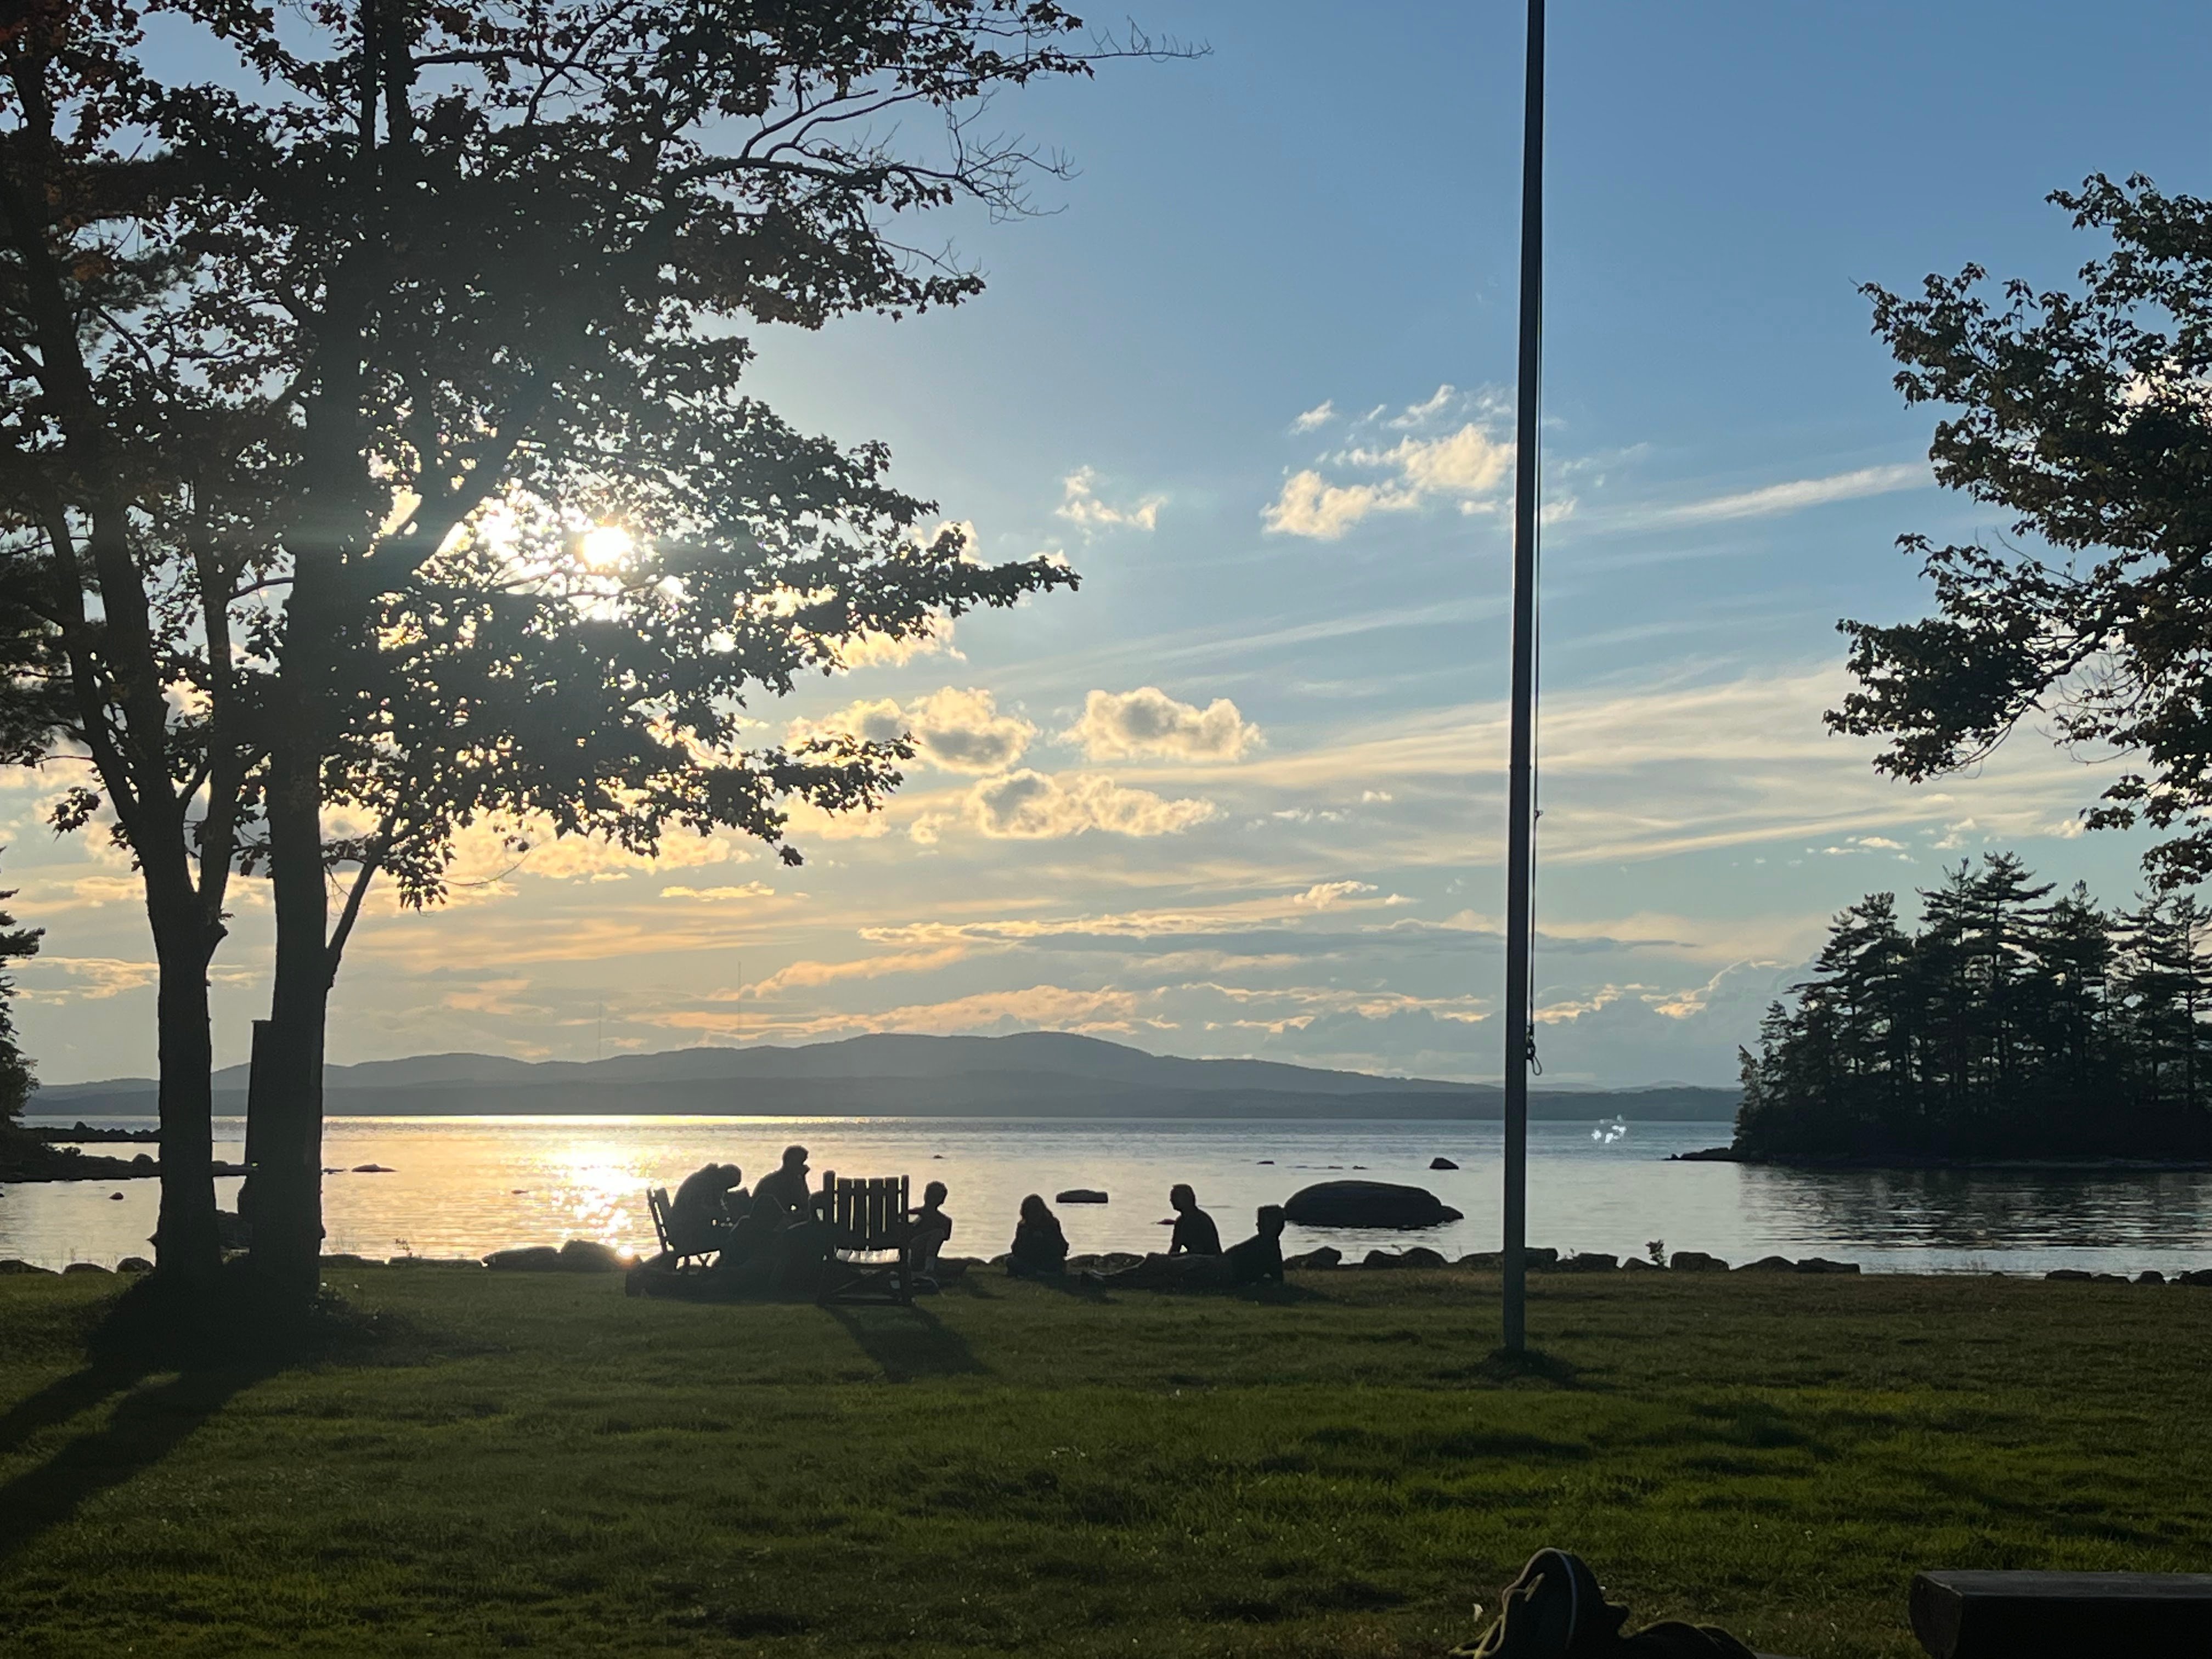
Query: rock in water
[1366, 1204]
[1327, 1256]
[586, 1255]
[1080, 1195]
[525, 1259]
[1442, 1164]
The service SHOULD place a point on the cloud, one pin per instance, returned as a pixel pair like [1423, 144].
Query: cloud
[1126, 725]
[1323, 894]
[1777, 499]
[1321, 414]
[751, 889]
[1080, 504]
[961, 731]
[1028, 806]
[1428, 409]
[1468, 465]
[883, 651]
[799, 974]
[92, 978]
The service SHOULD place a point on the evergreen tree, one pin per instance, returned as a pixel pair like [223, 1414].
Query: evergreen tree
[16, 1081]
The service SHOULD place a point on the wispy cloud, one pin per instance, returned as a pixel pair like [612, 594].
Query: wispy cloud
[1080, 504]
[1774, 500]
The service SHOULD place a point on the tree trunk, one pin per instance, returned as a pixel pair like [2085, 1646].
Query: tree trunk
[286, 1099]
[188, 1250]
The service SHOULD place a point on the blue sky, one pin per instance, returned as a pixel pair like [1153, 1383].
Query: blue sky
[1251, 375]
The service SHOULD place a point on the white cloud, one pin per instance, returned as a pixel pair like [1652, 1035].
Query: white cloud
[1120, 725]
[881, 651]
[1776, 499]
[1428, 409]
[961, 731]
[1028, 806]
[751, 890]
[1080, 504]
[1321, 414]
[1468, 465]
[1323, 894]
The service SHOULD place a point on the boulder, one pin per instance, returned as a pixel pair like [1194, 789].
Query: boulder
[115, 1198]
[134, 1264]
[1327, 1256]
[1539, 1257]
[1442, 1164]
[1419, 1256]
[1769, 1264]
[2075, 1274]
[587, 1255]
[374, 1169]
[12, 1265]
[1367, 1204]
[1820, 1264]
[2150, 1276]
[1696, 1261]
[1637, 1264]
[341, 1259]
[2110, 1279]
[84, 1267]
[525, 1259]
[1590, 1262]
[1487, 1261]
[2194, 1276]
[1080, 1195]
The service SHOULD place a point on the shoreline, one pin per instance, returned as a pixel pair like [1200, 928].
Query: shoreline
[1908, 1161]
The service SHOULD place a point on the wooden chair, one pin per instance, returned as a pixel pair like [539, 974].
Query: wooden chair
[686, 1261]
[870, 1254]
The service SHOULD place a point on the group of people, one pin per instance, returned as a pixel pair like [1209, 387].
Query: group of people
[1194, 1258]
[776, 1223]
[776, 1227]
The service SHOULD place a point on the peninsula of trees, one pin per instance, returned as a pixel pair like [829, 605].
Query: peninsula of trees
[2008, 1024]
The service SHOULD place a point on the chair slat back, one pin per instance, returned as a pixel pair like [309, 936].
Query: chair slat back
[868, 1214]
[656, 1201]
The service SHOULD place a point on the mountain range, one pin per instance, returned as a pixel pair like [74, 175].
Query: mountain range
[1029, 1074]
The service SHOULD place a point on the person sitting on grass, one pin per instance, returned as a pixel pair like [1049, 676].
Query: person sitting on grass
[928, 1228]
[700, 1216]
[1259, 1257]
[1194, 1232]
[1040, 1248]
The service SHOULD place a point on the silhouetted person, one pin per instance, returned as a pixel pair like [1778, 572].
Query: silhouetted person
[1040, 1248]
[1194, 1232]
[1261, 1256]
[929, 1229]
[700, 1216]
[784, 1192]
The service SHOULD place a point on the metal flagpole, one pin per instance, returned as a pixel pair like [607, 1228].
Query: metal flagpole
[1521, 791]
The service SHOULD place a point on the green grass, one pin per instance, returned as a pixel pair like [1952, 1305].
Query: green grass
[545, 1466]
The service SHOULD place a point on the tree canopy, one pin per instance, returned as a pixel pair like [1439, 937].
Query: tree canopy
[376, 461]
[2087, 416]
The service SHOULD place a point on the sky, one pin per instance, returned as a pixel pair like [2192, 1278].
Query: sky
[1250, 368]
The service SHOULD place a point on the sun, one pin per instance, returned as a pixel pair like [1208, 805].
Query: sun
[606, 545]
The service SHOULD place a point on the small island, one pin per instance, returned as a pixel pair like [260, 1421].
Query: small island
[2009, 1026]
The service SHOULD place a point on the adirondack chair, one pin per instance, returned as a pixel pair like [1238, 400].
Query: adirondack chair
[656, 1201]
[870, 1254]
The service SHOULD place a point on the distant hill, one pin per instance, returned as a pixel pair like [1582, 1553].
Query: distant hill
[1030, 1074]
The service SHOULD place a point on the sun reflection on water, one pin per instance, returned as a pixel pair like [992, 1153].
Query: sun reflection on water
[598, 1188]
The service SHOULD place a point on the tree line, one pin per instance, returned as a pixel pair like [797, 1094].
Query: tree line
[2009, 1023]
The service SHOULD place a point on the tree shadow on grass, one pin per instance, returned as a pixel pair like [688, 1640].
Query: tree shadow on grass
[208, 1345]
[148, 1423]
[908, 1342]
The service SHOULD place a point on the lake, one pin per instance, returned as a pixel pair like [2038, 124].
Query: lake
[463, 1186]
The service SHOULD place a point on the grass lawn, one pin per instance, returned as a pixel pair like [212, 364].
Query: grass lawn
[538, 1463]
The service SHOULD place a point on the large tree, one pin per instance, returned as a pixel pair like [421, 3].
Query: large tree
[2086, 416]
[466, 282]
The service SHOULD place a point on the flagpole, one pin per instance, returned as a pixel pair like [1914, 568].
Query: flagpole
[1521, 791]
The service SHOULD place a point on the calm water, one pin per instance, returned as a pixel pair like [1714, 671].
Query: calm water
[464, 1186]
